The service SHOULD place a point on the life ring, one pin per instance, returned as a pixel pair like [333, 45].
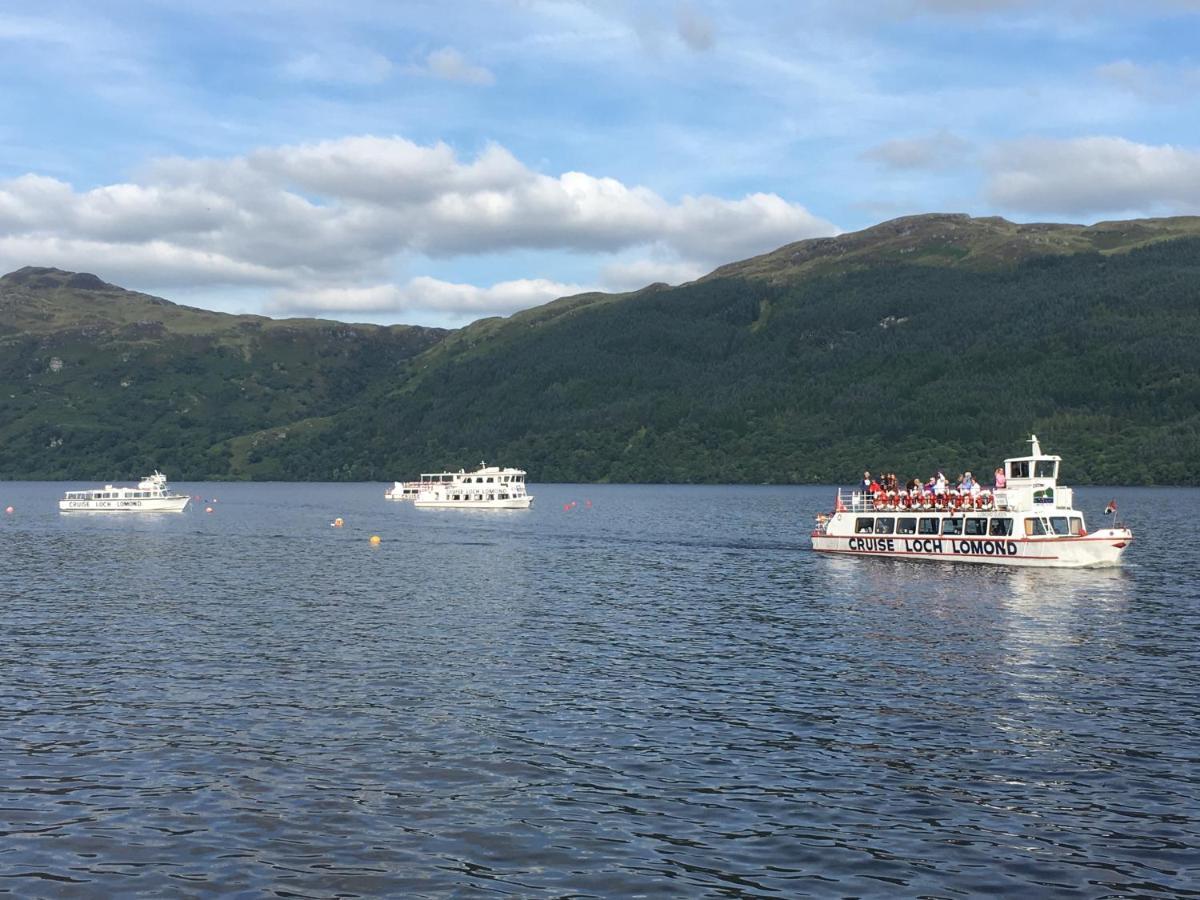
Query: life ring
[879, 499]
[940, 501]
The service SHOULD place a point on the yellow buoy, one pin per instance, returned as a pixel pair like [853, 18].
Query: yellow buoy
[374, 539]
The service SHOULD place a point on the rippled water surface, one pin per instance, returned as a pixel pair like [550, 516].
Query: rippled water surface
[658, 691]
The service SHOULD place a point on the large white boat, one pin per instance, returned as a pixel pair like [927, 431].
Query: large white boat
[150, 495]
[1031, 521]
[488, 487]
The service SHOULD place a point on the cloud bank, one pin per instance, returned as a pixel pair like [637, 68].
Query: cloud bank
[325, 224]
[1094, 176]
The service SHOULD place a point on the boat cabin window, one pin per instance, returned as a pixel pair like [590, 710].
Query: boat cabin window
[491, 480]
[1018, 469]
[885, 525]
[1000, 527]
[1076, 525]
[952, 526]
[864, 526]
[976, 527]
[1034, 527]
[928, 526]
[906, 526]
[1059, 524]
[1045, 468]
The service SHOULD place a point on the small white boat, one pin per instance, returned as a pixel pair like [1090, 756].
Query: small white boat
[150, 495]
[1031, 521]
[488, 487]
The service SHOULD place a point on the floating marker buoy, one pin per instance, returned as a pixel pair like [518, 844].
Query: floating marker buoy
[208, 509]
[338, 523]
[8, 509]
[374, 540]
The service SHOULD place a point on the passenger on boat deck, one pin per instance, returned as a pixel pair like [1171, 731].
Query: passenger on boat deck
[939, 486]
[865, 484]
[998, 477]
[913, 485]
[965, 483]
[874, 487]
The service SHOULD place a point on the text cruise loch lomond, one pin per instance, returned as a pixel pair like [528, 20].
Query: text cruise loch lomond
[150, 495]
[1031, 521]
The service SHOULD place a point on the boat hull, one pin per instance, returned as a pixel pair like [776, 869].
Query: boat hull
[1097, 549]
[151, 504]
[511, 503]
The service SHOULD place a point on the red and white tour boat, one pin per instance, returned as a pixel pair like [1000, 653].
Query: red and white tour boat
[1031, 521]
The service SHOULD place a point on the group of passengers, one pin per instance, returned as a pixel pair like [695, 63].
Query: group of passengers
[937, 492]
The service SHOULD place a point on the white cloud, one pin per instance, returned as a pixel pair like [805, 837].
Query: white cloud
[695, 29]
[634, 274]
[1095, 175]
[339, 65]
[450, 65]
[934, 152]
[1153, 82]
[426, 295]
[343, 214]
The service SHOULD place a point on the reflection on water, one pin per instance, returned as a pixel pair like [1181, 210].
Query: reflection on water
[664, 693]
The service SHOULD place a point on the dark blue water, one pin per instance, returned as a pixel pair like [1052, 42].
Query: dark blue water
[663, 694]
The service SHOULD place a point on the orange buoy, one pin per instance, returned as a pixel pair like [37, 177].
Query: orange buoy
[375, 540]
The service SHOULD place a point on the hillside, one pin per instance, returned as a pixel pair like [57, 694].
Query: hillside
[100, 382]
[930, 341]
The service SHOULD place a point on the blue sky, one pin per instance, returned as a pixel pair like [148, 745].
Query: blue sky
[432, 163]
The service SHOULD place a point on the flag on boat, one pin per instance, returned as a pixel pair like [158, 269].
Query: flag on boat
[839, 506]
[1111, 509]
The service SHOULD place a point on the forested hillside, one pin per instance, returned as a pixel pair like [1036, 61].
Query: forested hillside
[898, 366]
[98, 382]
[929, 342]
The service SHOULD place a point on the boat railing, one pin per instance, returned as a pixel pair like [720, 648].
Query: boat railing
[862, 501]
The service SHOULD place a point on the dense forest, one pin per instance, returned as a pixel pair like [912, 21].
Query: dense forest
[888, 364]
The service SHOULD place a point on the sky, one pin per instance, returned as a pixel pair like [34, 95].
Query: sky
[433, 163]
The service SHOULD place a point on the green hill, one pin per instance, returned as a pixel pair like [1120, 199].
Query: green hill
[99, 382]
[931, 341]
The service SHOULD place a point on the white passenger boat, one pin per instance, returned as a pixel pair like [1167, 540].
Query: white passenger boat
[150, 495]
[488, 487]
[403, 490]
[1031, 521]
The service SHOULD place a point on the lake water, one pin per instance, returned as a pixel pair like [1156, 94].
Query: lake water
[657, 692]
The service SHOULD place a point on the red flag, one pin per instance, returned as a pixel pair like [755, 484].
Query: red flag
[1111, 508]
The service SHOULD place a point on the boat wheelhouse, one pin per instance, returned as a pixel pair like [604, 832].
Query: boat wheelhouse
[488, 487]
[1030, 521]
[150, 495]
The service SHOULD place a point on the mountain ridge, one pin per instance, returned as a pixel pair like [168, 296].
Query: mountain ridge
[802, 364]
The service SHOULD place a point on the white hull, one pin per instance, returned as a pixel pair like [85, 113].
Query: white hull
[1097, 549]
[153, 504]
[511, 503]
